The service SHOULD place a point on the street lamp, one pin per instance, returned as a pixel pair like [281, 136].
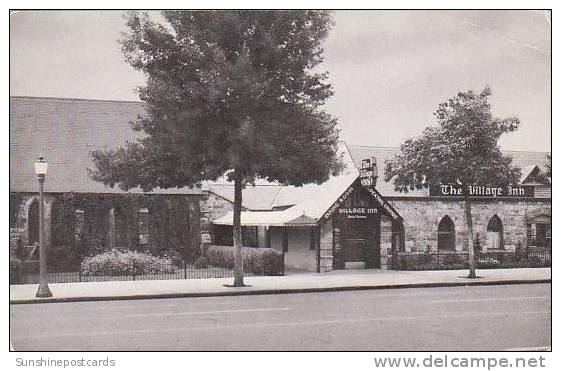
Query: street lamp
[43, 291]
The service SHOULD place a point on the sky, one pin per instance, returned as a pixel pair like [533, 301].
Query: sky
[389, 69]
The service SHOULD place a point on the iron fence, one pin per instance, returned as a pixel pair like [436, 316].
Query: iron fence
[446, 260]
[29, 273]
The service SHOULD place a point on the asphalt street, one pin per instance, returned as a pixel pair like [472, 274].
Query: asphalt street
[508, 317]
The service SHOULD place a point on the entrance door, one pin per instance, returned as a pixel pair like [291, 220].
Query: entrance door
[354, 241]
[360, 239]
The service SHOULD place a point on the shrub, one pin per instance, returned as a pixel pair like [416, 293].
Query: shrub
[201, 262]
[16, 247]
[477, 244]
[15, 270]
[63, 259]
[488, 263]
[125, 263]
[256, 260]
[519, 252]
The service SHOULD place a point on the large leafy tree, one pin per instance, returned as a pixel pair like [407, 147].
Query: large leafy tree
[230, 93]
[461, 149]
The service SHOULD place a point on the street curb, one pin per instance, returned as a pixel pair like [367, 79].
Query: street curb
[275, 291]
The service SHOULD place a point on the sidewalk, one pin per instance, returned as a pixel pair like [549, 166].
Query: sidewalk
[357, 279]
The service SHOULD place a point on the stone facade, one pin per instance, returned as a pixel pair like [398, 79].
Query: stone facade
[422, 216]
[385, 240]
[213, 207]
[326, 247]
[21, 226]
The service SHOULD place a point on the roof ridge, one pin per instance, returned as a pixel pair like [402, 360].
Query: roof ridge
[256, 185]
[370, 146]
[77, 99]
[397, 148]
[526, 151]
[276, 197]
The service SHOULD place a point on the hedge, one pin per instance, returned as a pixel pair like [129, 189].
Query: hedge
[15, 270]
[257, 260]
[125, 263]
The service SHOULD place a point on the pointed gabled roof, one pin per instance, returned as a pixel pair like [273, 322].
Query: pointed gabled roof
[309, 202]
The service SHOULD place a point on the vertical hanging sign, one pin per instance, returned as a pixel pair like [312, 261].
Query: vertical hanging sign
[368, 176]
[368, 172]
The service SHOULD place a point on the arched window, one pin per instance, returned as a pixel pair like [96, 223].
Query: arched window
[33, 222]
[446, 234]
[495, 233]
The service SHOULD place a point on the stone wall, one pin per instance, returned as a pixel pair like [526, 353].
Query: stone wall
[385, 240]
[326, 247]
[213, 207]
[422, 216]
[21, 225]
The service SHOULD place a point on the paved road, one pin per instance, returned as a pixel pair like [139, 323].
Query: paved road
[454, 318]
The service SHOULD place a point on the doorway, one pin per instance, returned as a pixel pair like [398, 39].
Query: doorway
[360, 240]
[354, 243]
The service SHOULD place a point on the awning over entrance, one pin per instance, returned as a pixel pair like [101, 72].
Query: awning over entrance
[286, 218]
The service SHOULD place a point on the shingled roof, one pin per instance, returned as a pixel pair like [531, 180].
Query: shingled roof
[65, 131]
[521, 159]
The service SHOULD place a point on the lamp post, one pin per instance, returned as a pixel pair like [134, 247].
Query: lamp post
[43, 291]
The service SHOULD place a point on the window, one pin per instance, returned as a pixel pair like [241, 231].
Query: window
[249, 236]
[143, 230]
[495, 234]
[268, 237]
[539, 231]
[312, 238]
[446, 234]
[284, 240]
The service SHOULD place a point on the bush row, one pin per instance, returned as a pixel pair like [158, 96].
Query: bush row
[419, 262]
[15, 270]
[125, 263]
[263, 261]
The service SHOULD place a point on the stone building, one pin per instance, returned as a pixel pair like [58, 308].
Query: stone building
[343, 224]
[76, 207]
[346, 222]
[436, 221]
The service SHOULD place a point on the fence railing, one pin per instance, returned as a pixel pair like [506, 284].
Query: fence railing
[539, 242]
[443, 260]
[29, 273]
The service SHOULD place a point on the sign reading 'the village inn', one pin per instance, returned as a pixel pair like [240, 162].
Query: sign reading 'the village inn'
[451, 190]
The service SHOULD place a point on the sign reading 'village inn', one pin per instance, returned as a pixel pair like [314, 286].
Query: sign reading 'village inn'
[451, 190]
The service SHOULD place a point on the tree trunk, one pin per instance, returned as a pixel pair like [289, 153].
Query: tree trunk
[237, 230]
[471, 251]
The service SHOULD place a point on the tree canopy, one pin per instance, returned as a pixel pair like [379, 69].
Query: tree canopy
[227, 92]
[462, 147]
